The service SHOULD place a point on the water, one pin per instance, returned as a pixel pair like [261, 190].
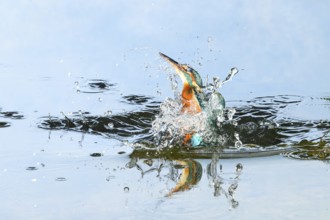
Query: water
[254, 126]
[108, 163]
[81, 87]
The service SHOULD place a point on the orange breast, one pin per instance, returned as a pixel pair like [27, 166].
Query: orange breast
[189, 101]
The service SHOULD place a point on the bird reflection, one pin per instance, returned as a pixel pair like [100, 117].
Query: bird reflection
[190, 175]
[187, 173]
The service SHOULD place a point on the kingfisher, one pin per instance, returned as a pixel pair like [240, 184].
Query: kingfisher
[193, 98]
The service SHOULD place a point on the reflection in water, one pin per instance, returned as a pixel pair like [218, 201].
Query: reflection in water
[311, 150]
[186, 174]
[190, 175]
[219, 182]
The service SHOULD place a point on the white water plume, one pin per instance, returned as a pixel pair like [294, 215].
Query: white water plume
[174, 128]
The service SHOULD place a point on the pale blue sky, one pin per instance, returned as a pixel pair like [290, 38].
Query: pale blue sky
[283, 46]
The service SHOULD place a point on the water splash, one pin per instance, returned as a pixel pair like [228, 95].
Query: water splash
[258, 125]
[172, 127]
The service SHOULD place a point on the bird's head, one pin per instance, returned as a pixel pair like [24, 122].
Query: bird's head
[187, 74]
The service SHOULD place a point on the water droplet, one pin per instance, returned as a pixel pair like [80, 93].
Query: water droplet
[110, 125]
[108, 113]
[234, 71]
[100, 99]
[232, 188]
[216, 82]
[149, 162]
[110, 177]
[220, 119]
[234, 203]
[126, 189]
[238, 142]
[231, 113]
[131, 164]
[76, 83]
[239, 167]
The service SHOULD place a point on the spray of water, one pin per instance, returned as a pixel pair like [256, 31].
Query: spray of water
[172, 127]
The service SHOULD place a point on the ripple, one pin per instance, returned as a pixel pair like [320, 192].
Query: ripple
[310, 150]
[96, 155]
[4, 124]
[61, 179]
[312, 154]
[11, 115]
[129, 124]
[95, 86]
[31, 168]
[137, 99]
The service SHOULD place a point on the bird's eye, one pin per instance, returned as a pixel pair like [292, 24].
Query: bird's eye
[187, 68]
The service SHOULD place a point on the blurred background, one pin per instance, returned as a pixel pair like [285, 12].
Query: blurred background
[280, 47]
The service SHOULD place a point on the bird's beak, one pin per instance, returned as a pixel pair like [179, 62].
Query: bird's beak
[174, 63]
[177, 66]
[179, 69]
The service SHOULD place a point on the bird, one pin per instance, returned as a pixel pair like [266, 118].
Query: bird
[192, 96]
[193, 99]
